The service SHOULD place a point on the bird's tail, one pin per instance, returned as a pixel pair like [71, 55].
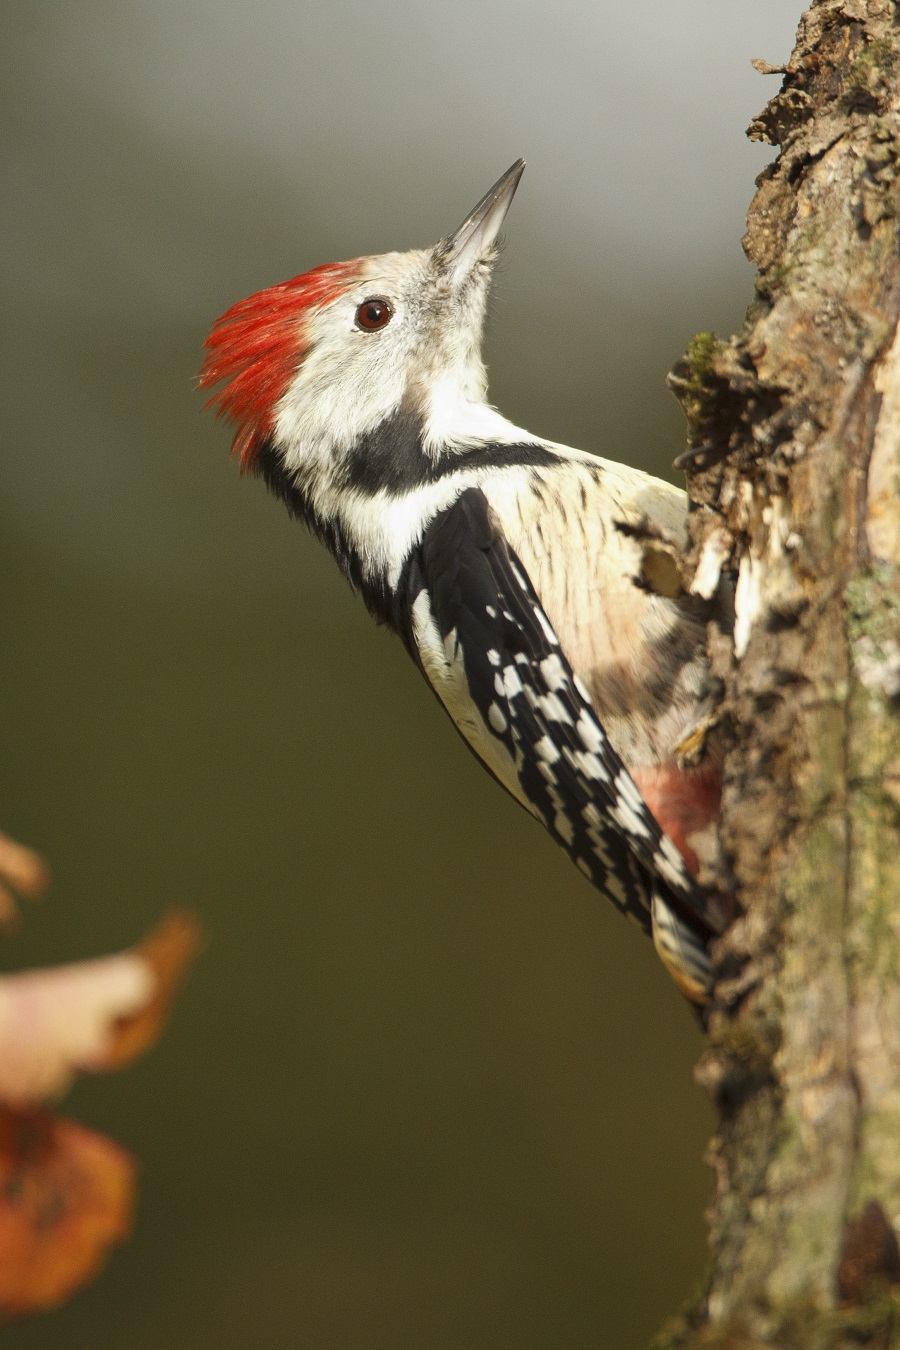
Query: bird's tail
[682, 951]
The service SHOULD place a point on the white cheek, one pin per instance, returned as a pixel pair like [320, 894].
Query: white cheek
[348, 384]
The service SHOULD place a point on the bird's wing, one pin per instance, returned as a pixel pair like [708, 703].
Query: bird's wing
[477, 629]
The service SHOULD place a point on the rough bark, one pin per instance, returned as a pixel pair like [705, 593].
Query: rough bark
[794, 466]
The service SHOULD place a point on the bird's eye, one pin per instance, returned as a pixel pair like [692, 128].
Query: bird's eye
[373, 314]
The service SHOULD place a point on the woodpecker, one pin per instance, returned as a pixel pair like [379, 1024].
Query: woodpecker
[514, 569]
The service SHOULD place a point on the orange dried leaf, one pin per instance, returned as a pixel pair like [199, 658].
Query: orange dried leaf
[95, 1015]
[22, 869]
[168, 952]
[9, 912]
[66, 1196]
[23, 872]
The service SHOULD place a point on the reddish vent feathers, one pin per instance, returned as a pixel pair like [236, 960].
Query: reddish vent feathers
[256, 347]
[684, 801]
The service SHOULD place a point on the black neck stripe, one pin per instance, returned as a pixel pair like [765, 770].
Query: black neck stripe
[392, 458]
[389, 459]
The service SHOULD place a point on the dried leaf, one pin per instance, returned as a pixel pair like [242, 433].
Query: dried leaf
[66, 1195]
[66, 1192]
[8, 911]
[23, 869]
[167, 952]
[96, 1015]
[23, 872]
[60, 1019]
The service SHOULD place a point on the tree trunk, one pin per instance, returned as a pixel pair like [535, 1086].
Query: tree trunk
[794, 469]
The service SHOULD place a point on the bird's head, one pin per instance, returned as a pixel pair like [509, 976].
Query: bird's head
[316, 364]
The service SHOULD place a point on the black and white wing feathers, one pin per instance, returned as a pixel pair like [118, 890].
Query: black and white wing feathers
[475, 625]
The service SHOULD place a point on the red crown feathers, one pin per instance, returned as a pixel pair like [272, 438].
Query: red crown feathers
[255, 349]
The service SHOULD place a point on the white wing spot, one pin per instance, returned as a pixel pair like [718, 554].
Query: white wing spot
[591, 736]
[554, 672]
[669, 863]
[605, 857]
[591, 766]
[548, 631]
[632, 821]
[497, 718]
[553, 708]
[614, 885]
[627, 790]
[588, 765]
[511, 682]
[563, 826]
[493, 657]
[547, 749]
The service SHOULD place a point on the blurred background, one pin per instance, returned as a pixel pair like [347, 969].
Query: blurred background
[425, 1089]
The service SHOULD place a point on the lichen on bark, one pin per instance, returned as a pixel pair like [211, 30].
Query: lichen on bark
[794, 470]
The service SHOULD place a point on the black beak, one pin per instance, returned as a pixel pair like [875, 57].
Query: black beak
[477, 234]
